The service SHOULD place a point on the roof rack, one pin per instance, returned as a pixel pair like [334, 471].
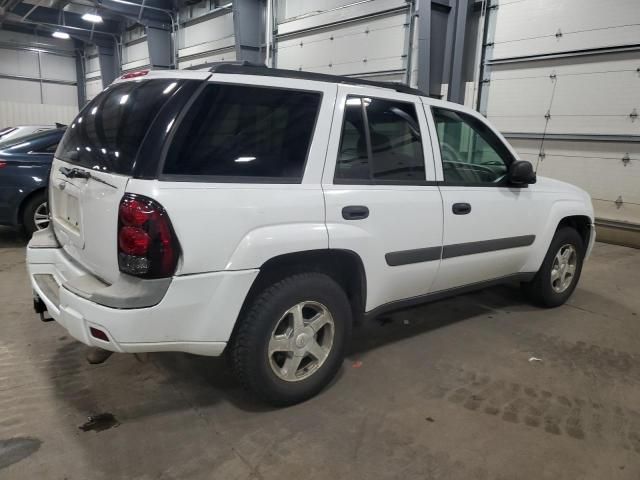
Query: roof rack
[248, 68]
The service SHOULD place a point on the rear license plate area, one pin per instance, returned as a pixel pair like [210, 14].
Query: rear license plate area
[67, 210]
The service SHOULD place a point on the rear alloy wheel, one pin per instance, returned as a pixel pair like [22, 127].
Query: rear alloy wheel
[560, 270]
[301, 341]
[291, 339]
[36, 214]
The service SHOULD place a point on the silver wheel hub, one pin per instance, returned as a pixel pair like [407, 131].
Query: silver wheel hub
[301, 341]
[563, 269]
[41, 216]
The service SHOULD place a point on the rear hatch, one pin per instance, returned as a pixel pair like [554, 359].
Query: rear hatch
[97, 156]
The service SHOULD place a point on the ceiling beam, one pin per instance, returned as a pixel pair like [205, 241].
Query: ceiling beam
[150, 13]
[61, 18]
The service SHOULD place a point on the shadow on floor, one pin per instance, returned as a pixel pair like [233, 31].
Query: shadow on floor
[11, 237]
[168, 382]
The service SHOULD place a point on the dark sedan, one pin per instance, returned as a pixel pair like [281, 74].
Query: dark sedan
[24, 174]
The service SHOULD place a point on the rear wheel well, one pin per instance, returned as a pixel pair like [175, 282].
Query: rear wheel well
[343, 266]
[579, 223]
[25, 201]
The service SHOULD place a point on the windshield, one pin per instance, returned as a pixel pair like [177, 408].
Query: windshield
[108, 132]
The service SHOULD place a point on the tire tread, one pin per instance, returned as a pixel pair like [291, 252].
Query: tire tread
[247, 330]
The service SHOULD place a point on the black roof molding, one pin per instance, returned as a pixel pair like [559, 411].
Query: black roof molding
[247, 68]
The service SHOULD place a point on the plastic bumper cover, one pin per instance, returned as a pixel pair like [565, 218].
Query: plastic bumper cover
[196, 314]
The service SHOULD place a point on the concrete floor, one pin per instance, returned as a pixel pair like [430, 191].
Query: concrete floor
[444, 391]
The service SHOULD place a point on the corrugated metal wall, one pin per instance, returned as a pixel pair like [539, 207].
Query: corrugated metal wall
[570, 71]
[37, 80]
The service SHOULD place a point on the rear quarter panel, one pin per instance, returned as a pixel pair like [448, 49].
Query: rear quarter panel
[237, 226]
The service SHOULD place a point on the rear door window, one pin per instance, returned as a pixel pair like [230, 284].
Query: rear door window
[245, 134]
[108, 132]
[381, 143]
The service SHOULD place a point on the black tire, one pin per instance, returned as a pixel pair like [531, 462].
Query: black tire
[540, 290]
[249, 355]
[29, 211]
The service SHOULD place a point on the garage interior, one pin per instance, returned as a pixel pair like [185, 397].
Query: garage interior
[481, 386]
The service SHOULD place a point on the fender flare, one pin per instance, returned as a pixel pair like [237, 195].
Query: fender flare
[264, 243]
[560, 210]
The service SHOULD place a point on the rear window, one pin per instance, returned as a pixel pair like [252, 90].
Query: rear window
[108, 132]
[245, 133]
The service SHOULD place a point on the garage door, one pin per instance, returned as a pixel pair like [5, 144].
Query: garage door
[343, 37]
[564, 85]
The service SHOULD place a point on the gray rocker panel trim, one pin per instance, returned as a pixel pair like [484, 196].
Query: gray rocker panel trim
[443, 294]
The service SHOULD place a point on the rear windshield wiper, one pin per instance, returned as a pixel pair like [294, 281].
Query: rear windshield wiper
[78, 173]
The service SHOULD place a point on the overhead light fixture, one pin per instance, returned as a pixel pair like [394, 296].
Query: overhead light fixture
[92, 17]
[62, 35]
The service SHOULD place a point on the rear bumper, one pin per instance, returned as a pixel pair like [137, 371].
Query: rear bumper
[196, 314]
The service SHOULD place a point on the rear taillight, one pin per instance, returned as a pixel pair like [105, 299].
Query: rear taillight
[147, 244]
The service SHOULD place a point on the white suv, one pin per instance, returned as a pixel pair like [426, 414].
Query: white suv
[262, 212]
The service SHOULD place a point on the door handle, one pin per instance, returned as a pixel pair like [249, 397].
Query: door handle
[461, 208]
[355, 212]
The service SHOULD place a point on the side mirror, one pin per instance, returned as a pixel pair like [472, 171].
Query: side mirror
[521, 173]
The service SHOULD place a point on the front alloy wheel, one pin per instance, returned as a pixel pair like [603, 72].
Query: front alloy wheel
[560, 271]
[563, 269]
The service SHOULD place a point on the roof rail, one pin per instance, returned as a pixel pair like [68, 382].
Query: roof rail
[248, 68]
